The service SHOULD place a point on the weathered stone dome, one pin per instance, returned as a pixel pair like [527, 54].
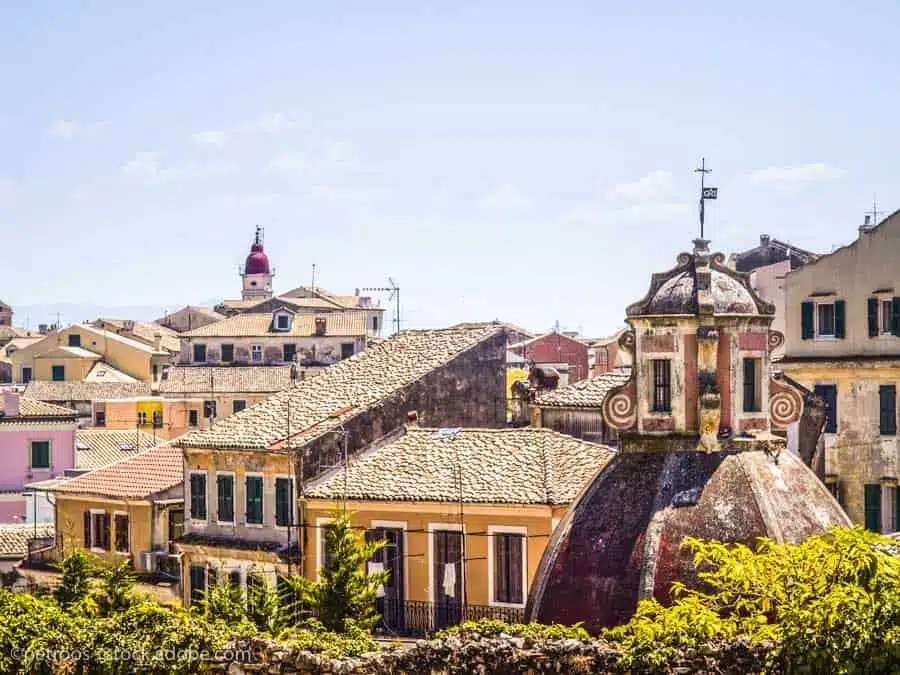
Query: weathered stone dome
[622, 539]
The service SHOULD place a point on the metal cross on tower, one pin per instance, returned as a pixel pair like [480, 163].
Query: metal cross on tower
[705, 192]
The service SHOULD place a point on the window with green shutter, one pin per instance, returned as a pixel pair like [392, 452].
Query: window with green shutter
[897, 509]
[807, 330]
[58, 373]
[872, 312]
[254, 500]
[840, 315]
[873, 507]
[198, 496]
[828, 392]
[198, 582]
[284, 496]
[225, 490]
[895, 316]
[887, 399]
[40, 454]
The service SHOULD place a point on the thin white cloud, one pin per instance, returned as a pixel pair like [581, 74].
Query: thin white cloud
[277, 123]
[656, 186]
[148, 168]
[64, 129]
[790, 177]
[507, 196]
[288, 162]
[210, 138]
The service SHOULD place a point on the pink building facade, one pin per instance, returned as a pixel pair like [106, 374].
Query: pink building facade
[37, 442]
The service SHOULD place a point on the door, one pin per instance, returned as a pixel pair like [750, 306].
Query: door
[176, 524]
[391, 605]
[448, 581]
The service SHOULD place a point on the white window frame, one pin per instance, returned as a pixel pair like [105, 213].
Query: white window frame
[278, 317]
[256, 348]
[49, 442]
[233, 520]
[882, 314]
[507, 529]
[818, 334]
[762, 386]
[114, 531]
[296, 514]
[189, 515]
[255, 474]
[321, 522]
[399, 525]
[97, 549]
[438, 527]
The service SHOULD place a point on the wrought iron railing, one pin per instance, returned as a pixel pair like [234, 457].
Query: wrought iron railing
[417, 618]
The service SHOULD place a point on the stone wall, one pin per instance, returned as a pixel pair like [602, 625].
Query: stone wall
[500, 655]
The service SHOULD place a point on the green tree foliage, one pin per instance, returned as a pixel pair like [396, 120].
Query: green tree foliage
[76, 576]
[530, 631]
[830, 604]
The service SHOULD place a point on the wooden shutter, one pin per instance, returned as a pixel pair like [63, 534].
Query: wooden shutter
[887, 395]
[895, 328]
[516, 594]
[840, 311]
[873, 507]
[873, 316]
[806, 320]
[501, 568]
[122, 533]
[87, 529]
[107, 542]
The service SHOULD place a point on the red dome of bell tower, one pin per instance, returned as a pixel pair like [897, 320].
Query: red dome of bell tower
[256, 274]
[257, 262]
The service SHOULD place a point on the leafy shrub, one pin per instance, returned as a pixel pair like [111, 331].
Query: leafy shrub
[530, 631]
[312, 636]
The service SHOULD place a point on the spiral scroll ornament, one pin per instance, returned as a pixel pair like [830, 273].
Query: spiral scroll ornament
[776, 339]
[785, 408]
[626, 341]
[620, 410]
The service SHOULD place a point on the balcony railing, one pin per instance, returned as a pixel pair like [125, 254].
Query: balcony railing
[416, 618]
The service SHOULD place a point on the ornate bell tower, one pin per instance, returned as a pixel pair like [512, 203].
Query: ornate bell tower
[255, 274]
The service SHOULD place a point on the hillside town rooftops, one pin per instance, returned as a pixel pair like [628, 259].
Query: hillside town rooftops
[342, 390]
[139, 477]
[31, 410]
[14, 537]
[302, 325]
[44, 390]
[225, 379]
[95, 448]
[497, 466]
[589, 393]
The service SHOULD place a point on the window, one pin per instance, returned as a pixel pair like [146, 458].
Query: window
[326, 541]
[283, 322]
[256, 353]
[822, 319]
[74, 340]
[825, 319]
[375, 323]
[873, 507]
[237, 405]
[96, 530]
[157, 419]
[254, 500]
[887, 317]
[121, 521]
[227, 353]
[142, 418]
[100, 418]
[346, 350]
[884, 316]
[198, 582]
[199, 353]
[193, 418]
[662, 385]
[58, 373]
[752, 385]
[26, 375]
[209, 409]
[290, 352]
[829, 393]
[284, 498]
[508, 562]
[225, 490]
[887, 399]
[234, 578]
[40, 454]
[198, 496]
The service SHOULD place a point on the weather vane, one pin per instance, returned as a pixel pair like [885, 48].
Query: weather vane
[705, 192]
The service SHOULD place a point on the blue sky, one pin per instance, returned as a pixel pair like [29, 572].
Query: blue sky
[524, 161]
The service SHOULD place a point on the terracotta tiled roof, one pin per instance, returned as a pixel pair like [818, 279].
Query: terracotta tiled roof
[146, 332]
[342, 390]
[14, 537]
[85, 391]
[38, 409]
[99, 447]
[588, 393]
[499, 466]
[138, 477]
[303, 325]
[237, 379]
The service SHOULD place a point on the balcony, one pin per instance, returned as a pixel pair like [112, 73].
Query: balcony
[416, 618]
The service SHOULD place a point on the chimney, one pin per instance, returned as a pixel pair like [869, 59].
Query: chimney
[763, 240]
[128, 325]
[157, 341]
[10, 404]
[412, 418]
[867, 224]
[320, 326]
[43, 329]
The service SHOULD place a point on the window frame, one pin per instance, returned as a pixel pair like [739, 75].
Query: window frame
[829, 428]
[351, 350]
[262, 499]
[256, 349]
[73, 340]
[56, 368]
[292, 501]
[230, 347]
[117, 515]
[31, 464]
[193, 418]
[521, 531]
[891, 428]
[205, 517]
[235, 401]
[27, 374]
[867, 510]
[278, 321]
[321, 523]
[195, 593]
[661, 383]
[226, 474]
[886, 313]
[100, 418]
[284, 352]
[195, 348]
[142, 418]
[755, 380]
[209, 406]
[94, 530]
[818, 322]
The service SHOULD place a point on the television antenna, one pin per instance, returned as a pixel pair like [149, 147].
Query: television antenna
[394, 294]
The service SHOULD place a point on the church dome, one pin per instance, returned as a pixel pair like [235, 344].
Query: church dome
[257, 262]
[621, 541]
